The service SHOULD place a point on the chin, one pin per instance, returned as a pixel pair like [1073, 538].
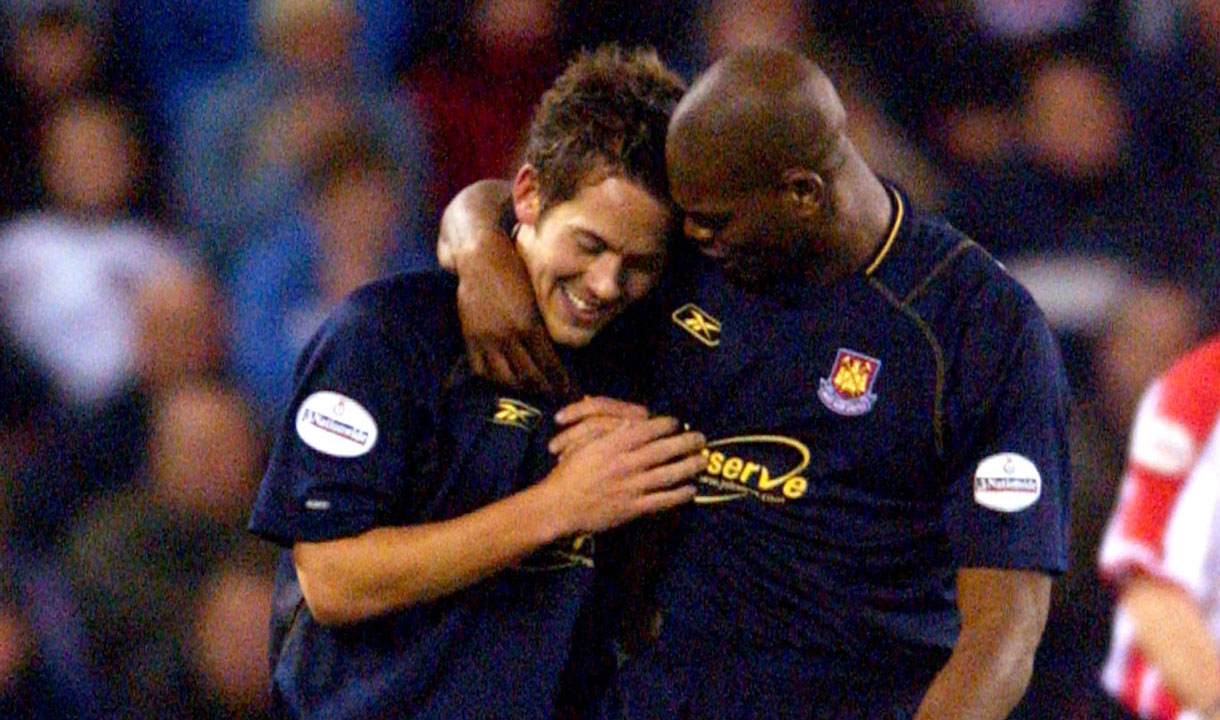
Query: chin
[570, 335]
[577, 338]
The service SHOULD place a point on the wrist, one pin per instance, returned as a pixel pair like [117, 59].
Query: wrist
[541, 512]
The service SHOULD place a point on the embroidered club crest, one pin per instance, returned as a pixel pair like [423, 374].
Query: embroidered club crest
[848, 389]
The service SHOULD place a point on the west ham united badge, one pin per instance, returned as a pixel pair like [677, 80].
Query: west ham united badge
[848, 389]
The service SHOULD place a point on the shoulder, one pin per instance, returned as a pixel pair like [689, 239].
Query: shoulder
[985, 327]
[1189, 391]
[411, 313]
[950, 281]
[411, 294]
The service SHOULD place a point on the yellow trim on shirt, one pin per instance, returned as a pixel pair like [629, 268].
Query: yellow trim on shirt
[889, 241]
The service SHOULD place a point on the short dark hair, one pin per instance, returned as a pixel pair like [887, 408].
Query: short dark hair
[607, 112]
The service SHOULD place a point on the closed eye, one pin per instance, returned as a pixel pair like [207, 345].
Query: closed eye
[651, 264]
[590, 244]
[709, 221]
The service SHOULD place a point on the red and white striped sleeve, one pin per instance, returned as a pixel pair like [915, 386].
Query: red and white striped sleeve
[1164, 522]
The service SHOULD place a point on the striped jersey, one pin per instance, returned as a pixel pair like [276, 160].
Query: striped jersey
[1165, 522]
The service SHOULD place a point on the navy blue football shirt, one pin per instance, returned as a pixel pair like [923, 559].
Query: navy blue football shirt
[388, 427]
[866, 440]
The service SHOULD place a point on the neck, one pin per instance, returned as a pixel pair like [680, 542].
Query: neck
[864, 217]
[876, 220]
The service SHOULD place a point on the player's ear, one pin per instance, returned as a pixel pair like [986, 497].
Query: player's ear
[527, 197]
[806, 189]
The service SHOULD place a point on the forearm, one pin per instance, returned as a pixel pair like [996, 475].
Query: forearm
[469, 219]
[639, 468]
[1173, 634]
[391, 568]
[981, 681]
[1003, 616]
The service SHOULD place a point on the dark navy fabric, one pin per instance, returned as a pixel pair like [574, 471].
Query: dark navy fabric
[445, 446]
[814, 577]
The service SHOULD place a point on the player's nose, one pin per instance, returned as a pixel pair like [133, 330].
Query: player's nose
[604, 278]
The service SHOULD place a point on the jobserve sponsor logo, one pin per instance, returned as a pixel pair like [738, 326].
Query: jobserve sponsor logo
[764, 467]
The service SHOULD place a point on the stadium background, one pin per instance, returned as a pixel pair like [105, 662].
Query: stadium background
[188, 186]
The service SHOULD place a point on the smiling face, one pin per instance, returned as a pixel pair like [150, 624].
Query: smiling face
[591, 256]
[745, 204]
[755, 234]
[755, 151]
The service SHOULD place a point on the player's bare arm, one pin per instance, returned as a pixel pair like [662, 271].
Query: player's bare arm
[465, 223]
[1003, 614]
[1173, 633]
[506, 339]
[640, 467]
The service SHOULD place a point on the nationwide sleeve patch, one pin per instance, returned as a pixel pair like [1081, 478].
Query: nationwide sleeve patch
[694, 320]
[1007, 482]
[335, 424]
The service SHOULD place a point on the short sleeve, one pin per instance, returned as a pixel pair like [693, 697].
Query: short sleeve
[1167, 519]
[351, 448]
[1010, 480]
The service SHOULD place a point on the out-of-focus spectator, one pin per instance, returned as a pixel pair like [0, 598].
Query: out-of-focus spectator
[181, 329]
[1061, 207]
[169, 51]
[1024, 20]
[1171, 76]
[163, 51]
[1161, 550]
[348, 231]
[186, 473]
[27, 412]
[30, 686]
[477, 86]
[68, 272]
[139, 561]
[1074, 121]
[248, 138]
[52, 50]
[231, 634]
[1066, 187]
[1152, 323]
[728, 25]
[179, 339]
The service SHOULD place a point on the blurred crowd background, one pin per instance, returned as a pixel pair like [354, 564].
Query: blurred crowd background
[187, 187]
